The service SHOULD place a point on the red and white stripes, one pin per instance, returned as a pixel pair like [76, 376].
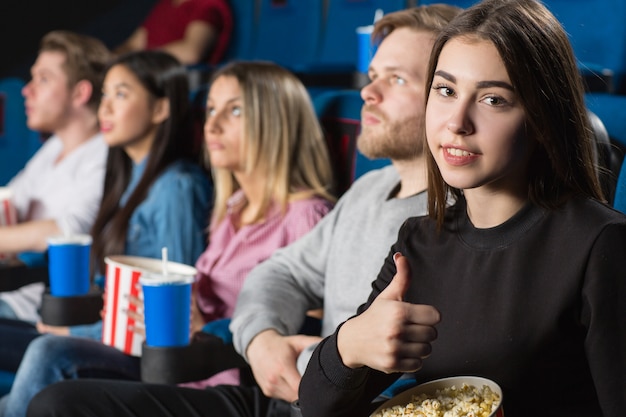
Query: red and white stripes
[122, 281]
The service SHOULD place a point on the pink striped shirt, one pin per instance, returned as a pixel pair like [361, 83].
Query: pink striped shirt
[232, 254]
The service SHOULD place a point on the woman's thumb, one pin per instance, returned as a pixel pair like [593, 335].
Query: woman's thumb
[400, 283]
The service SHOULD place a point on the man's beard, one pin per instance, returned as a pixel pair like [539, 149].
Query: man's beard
[399, 139]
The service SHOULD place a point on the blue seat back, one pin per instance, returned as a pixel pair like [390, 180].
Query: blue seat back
[611, 109]
[17, 142]
[619, 202]
[288, 32]
[339, 113]
[597, 31]
[6, 382]
[606, 156]
[245, 16]
[338, 45]
[459, 3]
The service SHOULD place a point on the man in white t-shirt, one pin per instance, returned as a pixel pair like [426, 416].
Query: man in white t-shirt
[60, 188]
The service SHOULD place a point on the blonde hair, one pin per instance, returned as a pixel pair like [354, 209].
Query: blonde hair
[281, 134]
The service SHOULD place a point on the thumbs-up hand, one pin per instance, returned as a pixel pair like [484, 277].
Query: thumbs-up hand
[391, 335]
[400, 282]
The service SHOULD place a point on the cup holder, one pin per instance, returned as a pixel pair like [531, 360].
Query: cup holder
[71, 311]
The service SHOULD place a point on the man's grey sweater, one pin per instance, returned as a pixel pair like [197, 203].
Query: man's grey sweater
[332, 267]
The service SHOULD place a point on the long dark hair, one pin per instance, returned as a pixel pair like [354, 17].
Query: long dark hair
[540, 62]
[163, 77]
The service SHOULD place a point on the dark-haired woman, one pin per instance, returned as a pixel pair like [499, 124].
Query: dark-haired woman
[522, 280]
[154, 194]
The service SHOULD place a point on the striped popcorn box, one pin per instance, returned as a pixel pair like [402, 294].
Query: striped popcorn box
[8, 215]
[122, 281]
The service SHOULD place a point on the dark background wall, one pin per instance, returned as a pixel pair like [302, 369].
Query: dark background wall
[24, 22]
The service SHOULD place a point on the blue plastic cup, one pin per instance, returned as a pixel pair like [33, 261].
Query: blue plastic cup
[68, 265]
[167, 309]
[365, 48]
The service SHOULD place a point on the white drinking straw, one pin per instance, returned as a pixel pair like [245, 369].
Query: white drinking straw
[164, 259]
[378, 14]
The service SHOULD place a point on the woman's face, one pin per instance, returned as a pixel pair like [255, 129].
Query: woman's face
[224, 124]
[475, 121]
[127, 113]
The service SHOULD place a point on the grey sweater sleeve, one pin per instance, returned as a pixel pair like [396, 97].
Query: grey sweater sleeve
[278, 292]
[332, 266]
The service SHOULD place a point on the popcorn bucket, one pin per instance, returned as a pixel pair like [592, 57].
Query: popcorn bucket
[8, 215]
[122, 280]
[465, 393]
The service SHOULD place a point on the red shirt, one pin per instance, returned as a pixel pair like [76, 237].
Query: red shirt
[167, 23]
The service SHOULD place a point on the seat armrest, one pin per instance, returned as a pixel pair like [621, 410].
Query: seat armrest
[204, 357]
[71, 311]
[16, 274]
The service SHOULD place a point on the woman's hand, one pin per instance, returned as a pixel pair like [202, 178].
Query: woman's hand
[391, 335]
[197, 320]
[104, 304]
[58, 330]
[135, 312]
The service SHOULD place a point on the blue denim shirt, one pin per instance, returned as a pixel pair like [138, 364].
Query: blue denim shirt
[175, 214]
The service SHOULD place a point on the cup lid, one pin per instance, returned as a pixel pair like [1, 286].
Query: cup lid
[6, 193]
[152, 279]
[70, 240]
[149, 265]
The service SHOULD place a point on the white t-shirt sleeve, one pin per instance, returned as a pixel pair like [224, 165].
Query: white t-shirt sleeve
[84, 196]
[69, 192]
[24, 184]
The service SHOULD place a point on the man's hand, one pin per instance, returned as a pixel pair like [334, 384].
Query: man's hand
[391, 335]
[273, 360]
[58, 330]
[196, 322]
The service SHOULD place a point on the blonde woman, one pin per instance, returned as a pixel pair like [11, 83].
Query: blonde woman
[271, 171]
